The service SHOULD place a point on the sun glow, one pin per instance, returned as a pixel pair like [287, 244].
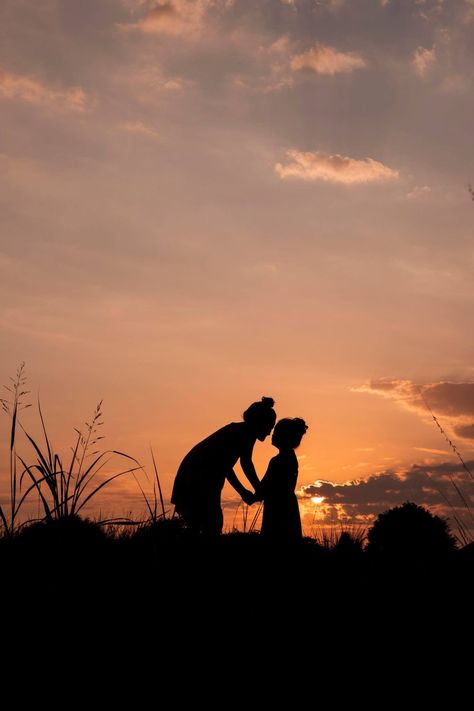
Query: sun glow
[317, 499]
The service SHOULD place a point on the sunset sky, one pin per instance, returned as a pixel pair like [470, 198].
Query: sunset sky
[207, 201]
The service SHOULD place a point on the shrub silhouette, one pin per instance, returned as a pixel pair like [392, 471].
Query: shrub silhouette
[161, 531]
[348, 546]
[68, 532]
[410, 531]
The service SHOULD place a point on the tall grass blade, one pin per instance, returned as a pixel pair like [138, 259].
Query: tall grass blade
[158, 482]
[37, 483]
[45, 435]
[104, 483]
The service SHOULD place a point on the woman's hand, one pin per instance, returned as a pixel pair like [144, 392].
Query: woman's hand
[258, 496]
[248, 497]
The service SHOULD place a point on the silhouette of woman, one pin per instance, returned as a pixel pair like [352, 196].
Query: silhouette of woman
[281, 515]
[202, 473]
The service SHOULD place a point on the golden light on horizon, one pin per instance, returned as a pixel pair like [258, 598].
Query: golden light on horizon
[317, 499]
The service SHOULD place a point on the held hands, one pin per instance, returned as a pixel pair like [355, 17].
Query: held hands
[251, 498]
[248, 497]
[258, 496]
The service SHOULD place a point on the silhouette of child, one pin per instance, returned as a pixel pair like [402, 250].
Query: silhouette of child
[202, 473]
[281, 515]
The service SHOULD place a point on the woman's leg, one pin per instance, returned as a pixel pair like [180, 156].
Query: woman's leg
[212, 519]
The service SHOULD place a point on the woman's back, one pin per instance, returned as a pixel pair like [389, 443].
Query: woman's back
[203, 471]
[221, 449]
[207, 464]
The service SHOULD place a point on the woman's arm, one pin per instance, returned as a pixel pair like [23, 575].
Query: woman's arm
[248, 467]
[246, 495]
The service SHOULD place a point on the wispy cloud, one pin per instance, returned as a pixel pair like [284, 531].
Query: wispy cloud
[314, 165]
[469, 14]
[430, 450]
[172, 17]
[17, 87]
[139, 127]
[146, 83]
[452, 400]
[323, 59]
[422, 59]
[419, 191]
[165, 18]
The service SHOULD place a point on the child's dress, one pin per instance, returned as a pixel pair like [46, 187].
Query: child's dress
[281, 514]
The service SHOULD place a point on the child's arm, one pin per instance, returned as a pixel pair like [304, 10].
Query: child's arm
[246, 495]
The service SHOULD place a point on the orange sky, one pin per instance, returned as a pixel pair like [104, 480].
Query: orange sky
[206, 202]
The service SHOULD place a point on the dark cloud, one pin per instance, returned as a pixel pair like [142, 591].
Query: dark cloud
[451, 400]
[438, 487]
[465, 431]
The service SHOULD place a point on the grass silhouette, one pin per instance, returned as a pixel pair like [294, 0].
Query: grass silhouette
[464, 533]
[68, 487]
[12, 409]
[62, 490]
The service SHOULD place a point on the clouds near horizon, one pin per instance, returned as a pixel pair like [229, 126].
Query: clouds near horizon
[443, 488]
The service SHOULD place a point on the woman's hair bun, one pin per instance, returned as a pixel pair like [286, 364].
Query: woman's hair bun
[261, 412]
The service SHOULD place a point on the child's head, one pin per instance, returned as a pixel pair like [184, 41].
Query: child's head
[261, 417]
[289, 432]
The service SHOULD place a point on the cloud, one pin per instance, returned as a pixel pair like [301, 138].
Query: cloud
[430, 450]
[452, 400]
[423, 59]
[331, 5]
[139, 127]
[17, 87]
[465, 431]
[165, 18]
[172, 17]
[360, 501]
[276, 80]
[333, 168]
[327, 60]
[419, 191]
[146, 82]
[280, 45]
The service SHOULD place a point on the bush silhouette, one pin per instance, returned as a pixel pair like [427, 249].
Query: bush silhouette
[69, 532]
[348, 546]
[410, 531]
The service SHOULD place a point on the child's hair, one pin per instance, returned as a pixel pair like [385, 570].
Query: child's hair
[260, 412]
[289, 431]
